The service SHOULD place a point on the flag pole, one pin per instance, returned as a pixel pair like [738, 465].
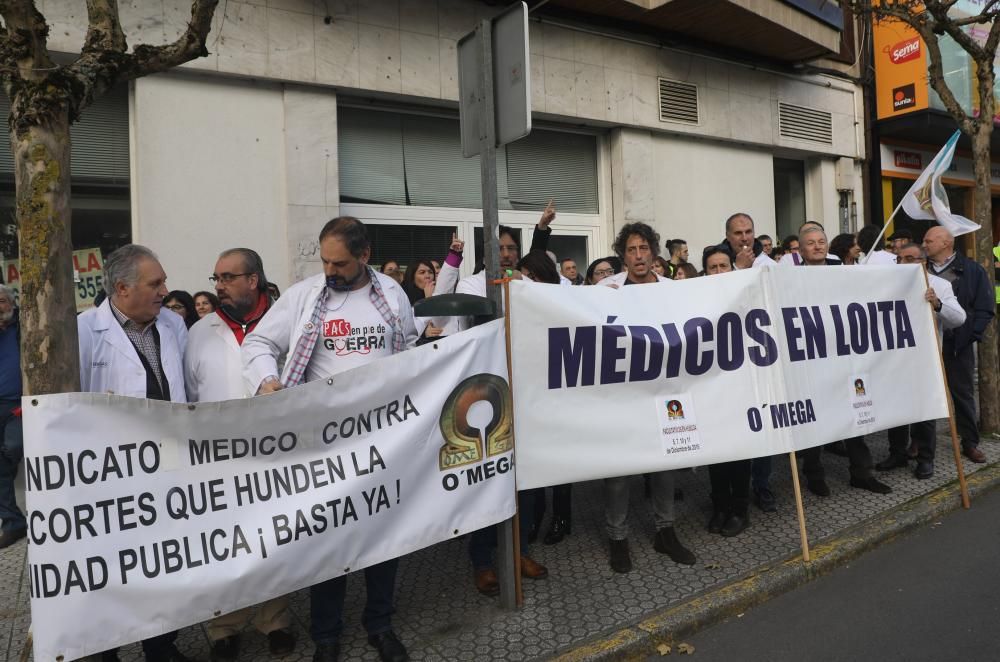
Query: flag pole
[871, 249]
[800, 511]
[963, 486]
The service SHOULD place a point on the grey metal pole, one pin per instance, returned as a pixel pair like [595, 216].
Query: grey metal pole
[491, 250]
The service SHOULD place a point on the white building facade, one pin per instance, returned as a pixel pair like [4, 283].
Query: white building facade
[306, 110]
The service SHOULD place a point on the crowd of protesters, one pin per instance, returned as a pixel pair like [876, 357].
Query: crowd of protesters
[243, 340]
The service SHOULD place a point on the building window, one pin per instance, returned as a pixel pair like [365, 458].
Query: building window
[100, 200]
[789, 196]
[408, 243]
[407, 159]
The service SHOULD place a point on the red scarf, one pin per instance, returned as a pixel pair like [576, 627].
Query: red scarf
[241, 329]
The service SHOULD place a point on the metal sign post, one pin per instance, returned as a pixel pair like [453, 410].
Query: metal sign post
[494, 93]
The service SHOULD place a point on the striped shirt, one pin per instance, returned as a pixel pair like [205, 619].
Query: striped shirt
[143, 340]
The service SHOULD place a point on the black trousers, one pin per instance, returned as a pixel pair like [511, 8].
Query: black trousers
[730, 485]
[960, 367]
[922, 433]
[858, 455]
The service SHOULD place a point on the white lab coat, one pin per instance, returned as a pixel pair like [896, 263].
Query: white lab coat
[282, 326]
[618, 280]
[213, 369]
[109, 363]
[951, 315]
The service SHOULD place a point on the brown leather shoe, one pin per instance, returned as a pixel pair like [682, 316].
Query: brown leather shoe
[532, 569]
[487, 582]
[974, 454]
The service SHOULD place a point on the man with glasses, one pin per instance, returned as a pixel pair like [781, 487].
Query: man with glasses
[950, 315]
[213, 371]
[14, 526]
[127, 347]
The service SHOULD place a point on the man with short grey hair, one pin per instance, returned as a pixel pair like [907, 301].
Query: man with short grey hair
[130, 346]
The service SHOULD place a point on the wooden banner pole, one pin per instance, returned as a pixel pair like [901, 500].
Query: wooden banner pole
[510, 382]
[963, 486]
[800, 511]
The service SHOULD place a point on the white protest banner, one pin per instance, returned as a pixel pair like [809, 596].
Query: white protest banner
[148, 516]
[614, 382]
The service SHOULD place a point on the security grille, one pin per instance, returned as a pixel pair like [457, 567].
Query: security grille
[801, 123]
[678, 101]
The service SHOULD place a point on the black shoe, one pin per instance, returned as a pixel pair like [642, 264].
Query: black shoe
[718, 519]
[678, 494]
[666, 542]
[8, 538]
[892, 462]
[735, 525]
[280, 642]
[327, 653]
[871, 484]
[764, 498]
[818, 487]
[389, 647]
[924, 470]
[620, 558]
[169, 654]
[226, 649]
[560, 529]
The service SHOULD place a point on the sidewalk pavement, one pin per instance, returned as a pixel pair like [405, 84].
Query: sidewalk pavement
[583, 610]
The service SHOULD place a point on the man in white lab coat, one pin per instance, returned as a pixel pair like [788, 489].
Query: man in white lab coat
[130, 346]
[312, 325]
[213, 371]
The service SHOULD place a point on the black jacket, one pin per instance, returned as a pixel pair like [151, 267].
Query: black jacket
[972, 288]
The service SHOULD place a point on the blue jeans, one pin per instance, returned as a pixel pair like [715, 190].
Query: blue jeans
[484, 541]
[327, 603]
[11, 454]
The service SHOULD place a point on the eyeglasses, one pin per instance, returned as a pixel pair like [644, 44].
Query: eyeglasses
[906, 259]
[176, 306]
[226, 278]
[603, 272]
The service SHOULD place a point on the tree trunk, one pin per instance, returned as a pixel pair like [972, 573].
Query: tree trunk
[989, 384]
[49, 350]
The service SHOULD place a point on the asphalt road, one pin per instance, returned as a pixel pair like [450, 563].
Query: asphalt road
[932, 595]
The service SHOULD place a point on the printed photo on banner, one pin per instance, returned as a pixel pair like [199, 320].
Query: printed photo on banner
[861, 401]
[678, 424]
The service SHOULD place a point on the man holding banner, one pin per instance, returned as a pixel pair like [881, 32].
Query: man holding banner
[129, 346]
[316, 324]
[637, 245]
[949, 316]
[213, 371]
[814, 249]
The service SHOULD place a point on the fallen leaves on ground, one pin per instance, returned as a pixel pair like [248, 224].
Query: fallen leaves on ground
[685, 649]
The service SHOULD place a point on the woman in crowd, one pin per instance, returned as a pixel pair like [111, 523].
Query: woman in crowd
[205, 303]
[685, 270]
[182, 303]
[730, 480]
[391, 269]
[418, 283]
[662, 268]
[845, 246]
[599, 270]
[538, 267]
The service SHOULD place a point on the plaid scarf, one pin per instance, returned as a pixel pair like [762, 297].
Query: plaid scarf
[299, 359]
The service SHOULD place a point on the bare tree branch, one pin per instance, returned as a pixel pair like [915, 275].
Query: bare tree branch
[104, 61]
[104, 28]
[27, 34]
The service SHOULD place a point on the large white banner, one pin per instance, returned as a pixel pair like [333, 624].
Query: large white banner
[613, 382]
[148, 516]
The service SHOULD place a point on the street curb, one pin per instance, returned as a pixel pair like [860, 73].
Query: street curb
[672, 624]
